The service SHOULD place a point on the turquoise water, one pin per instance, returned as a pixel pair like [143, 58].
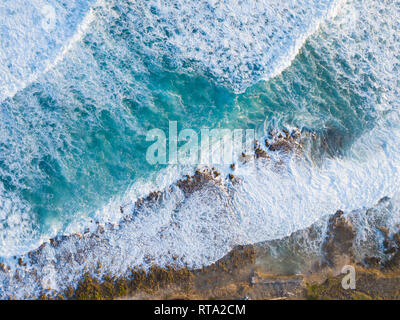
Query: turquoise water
[101, 150]
[73, 136]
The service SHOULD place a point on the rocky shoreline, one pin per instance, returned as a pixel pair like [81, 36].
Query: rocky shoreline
[250, 272]
[306, 264]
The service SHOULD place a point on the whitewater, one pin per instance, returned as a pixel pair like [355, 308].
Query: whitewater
[77, 102]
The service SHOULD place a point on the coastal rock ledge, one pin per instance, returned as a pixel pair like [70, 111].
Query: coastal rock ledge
[301, 266]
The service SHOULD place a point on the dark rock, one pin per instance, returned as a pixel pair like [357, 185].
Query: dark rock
[289, 143]
[260, 153]
[21, 262]
[393, 264]
[338, 244]
[196, 182]
[372, 262]
[154, 196]
[286, 133]
[3, 268]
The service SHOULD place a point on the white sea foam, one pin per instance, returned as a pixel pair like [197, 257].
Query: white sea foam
[238, 42]
[28, 52]
[33, 38]
[268, 204]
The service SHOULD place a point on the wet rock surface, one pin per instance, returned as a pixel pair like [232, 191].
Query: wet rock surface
[196, 182]
[284, 142]
[338, 245]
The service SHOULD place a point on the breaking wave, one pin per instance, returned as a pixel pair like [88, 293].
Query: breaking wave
[72, 147]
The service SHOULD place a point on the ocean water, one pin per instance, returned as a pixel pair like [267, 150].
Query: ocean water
[82, 83]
